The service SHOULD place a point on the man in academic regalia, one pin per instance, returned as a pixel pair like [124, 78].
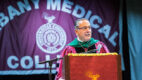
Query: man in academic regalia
[83, 43]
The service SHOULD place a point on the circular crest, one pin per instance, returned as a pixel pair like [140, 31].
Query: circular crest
[51, 38]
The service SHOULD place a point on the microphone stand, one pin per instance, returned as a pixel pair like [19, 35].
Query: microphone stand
[50, 62]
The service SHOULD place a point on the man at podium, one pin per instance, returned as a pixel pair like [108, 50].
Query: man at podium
[82, 44]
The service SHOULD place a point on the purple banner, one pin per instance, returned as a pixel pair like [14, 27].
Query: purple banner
[32, 31]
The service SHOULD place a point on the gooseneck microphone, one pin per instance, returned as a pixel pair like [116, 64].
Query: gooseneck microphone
[52, 60]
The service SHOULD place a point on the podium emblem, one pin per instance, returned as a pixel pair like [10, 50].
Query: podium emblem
[92, 76]
[50, 37]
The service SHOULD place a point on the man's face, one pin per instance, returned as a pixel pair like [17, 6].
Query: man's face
[84, 30]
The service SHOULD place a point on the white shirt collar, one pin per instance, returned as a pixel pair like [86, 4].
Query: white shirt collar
[79, 39]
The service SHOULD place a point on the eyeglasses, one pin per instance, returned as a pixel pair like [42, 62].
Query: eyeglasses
[84, 28]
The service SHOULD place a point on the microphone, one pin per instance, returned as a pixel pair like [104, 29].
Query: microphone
[52, 60]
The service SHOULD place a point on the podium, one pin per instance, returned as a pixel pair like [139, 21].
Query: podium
[103, 66]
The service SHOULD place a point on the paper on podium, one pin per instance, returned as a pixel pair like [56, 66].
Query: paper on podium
[103, 66]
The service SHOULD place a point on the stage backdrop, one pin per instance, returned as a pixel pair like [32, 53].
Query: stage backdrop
[37, 30]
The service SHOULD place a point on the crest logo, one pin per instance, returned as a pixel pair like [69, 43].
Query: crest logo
[50, 37]
[92, 76]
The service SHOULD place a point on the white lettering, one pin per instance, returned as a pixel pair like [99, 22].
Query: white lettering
[47, 64]
[37, 65]
[93, 18]
[9, 62]
[88, 14]
[67, 5]
[78, 11]
[36, 3]
[112, 38]
[56, 4]
[3, 20]
[23, 62]
[22, 6]
[105, 30]
[12, 12]
[27, 62]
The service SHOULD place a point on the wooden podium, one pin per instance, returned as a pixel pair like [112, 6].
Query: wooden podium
[103, 66]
